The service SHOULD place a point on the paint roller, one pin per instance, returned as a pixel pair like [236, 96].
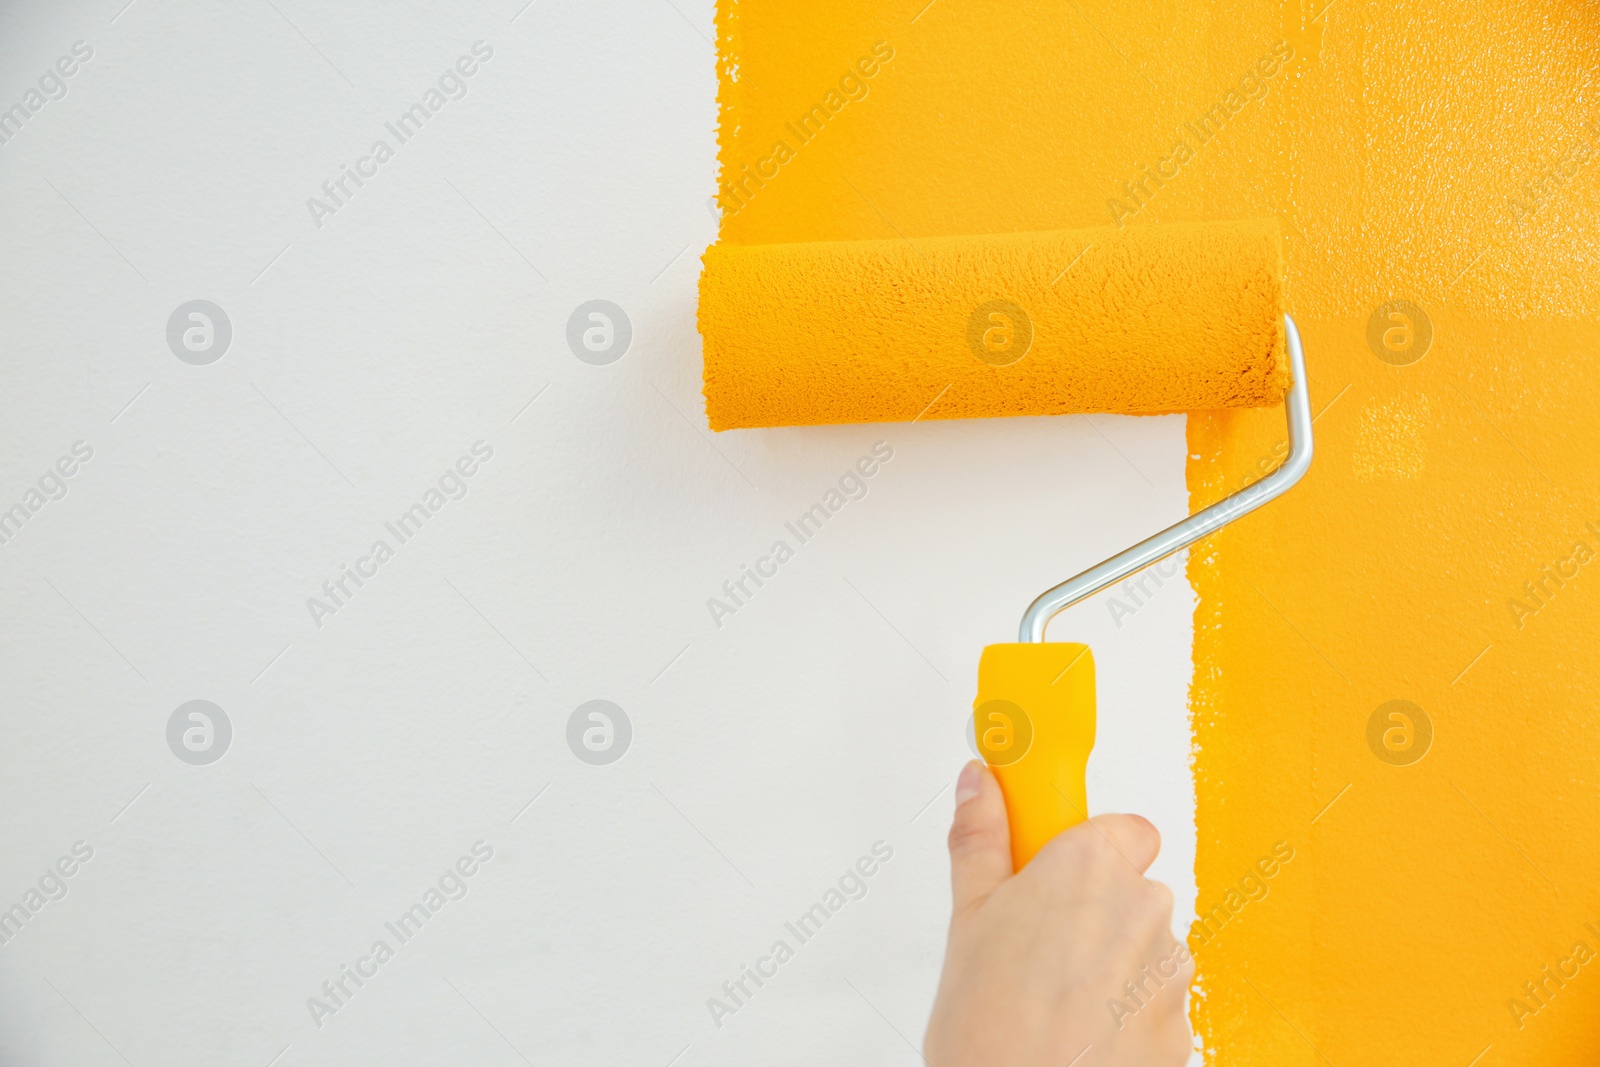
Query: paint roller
[1142, 320]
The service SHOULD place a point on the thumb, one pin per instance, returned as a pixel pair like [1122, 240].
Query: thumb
[980, 837]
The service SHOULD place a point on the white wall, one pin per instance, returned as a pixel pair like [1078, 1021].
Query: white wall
[370, 752]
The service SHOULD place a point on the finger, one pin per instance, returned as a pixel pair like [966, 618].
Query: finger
[980, 837]
[1174, 965]
[1184, 977]
[1134, 837]
[1176, 1042]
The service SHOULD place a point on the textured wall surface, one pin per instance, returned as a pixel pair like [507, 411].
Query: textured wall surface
[378, 334]
[1394, 667]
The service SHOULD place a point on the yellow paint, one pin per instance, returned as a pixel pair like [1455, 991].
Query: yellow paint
[1033, 722]
[1139, 320]
[1440, 153]
[1392, 439]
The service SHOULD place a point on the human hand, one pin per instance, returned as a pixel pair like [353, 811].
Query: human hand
[1069, 961]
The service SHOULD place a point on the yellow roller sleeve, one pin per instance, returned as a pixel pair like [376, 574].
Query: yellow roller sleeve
[1175, 317]
[1034, 724]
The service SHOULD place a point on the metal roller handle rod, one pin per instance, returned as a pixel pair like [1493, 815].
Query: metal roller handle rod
[1179, 536]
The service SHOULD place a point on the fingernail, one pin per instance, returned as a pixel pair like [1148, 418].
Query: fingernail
[970, 782]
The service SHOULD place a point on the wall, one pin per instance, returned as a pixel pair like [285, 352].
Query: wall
[374, 741]
[1394, 675]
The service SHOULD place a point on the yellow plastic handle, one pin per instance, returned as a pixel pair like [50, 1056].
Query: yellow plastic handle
[1034, 725]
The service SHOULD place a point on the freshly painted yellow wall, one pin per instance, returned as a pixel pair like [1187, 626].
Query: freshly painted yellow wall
[1443, 154]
